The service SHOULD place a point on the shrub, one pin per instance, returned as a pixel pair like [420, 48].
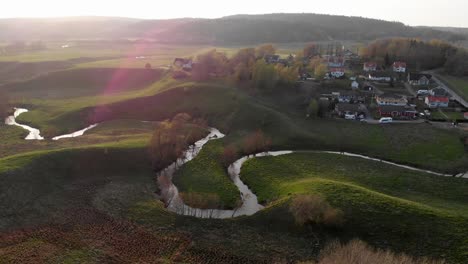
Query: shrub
[230, 155]
[179, 75]
[314, 209]
[256, 142]
[358, 252]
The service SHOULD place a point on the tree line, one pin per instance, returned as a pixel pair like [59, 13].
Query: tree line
[419, 54]
[249, 66]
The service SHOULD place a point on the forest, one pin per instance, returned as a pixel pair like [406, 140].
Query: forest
[240, 29]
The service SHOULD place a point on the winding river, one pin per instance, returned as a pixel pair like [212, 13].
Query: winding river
[170, 193]
[34, 133]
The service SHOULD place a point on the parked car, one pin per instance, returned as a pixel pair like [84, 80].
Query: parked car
[350, 117]
[423, 92]
[385, 120]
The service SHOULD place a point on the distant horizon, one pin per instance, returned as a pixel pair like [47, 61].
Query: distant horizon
[429, 13]
[174, 18]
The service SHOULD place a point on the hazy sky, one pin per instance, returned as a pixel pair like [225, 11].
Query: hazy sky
[411, 12]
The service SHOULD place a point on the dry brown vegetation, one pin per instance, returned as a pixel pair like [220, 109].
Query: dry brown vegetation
[256, 142]
[358, 252]
[3, 104]
[315, 210]
[202, 201]
[96, 238]
[171, 138]
[230, 155]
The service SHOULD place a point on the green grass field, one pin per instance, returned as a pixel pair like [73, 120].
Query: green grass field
[378, 200]
[459, 85]
[231, 111]
[206, 175]
[93, 198]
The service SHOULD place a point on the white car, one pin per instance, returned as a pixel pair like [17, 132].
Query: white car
[350, 117]
[385, 120]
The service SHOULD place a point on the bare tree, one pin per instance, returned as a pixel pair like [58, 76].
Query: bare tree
[4, 107]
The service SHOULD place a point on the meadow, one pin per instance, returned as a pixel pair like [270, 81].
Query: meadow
[94, 198]
[458, 84]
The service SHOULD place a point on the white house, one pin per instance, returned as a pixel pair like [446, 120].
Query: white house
[337, 72]
[399, 66]
[437, 101]
[355, 85]
[379, 77]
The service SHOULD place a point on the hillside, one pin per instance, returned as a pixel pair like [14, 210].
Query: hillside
[239, 29]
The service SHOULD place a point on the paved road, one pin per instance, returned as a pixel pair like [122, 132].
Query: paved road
[454, 95]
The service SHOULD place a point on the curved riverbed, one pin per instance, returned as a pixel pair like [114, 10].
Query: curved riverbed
[250, 205]
[34, 133]
[170, 193]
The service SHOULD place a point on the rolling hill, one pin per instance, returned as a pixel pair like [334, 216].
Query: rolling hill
[238, 29]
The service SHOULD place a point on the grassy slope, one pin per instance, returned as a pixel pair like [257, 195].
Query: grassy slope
[231, 111]
[102, 50]
[389, 207]
[40, 186]
[459, 85]
[113, 131]
[206, 175]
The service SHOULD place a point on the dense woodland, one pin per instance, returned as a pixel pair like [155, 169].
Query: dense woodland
[420, 55]
[241, 29]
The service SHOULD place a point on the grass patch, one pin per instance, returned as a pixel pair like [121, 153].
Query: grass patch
[206, 175]
[40, 186]
[457, 84]
[389, 207]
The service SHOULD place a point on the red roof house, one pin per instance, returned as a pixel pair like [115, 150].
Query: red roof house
[399, 66]
[437, 101]
[370, 66]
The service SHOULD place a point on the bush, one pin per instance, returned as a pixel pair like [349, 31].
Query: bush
[179, 75]
[358, 252]
[256, 142]
[230, 155]
[312, 209]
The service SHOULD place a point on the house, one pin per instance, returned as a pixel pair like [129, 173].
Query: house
[370, 66]
[354, 85]
[335, 61]
[465, 115]
[397, 111]
[272, 58]
[380, 77]
[437, 101]
[337, 72]
[343, 109]
[399, 66]
[349, 97]
[185, 64]
[349, 54]
[419, 79]
[438, 92]
[391, 99]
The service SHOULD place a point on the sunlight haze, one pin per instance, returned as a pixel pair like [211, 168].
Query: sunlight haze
[419, 12]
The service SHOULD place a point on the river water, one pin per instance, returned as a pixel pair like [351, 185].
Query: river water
[34, 133]
[170, 193]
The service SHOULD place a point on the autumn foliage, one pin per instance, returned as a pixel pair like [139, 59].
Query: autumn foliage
[171, 138]
[312, 209]
[256, 142]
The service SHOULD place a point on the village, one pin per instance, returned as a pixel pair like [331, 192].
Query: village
[373, 93]
[357, 89]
